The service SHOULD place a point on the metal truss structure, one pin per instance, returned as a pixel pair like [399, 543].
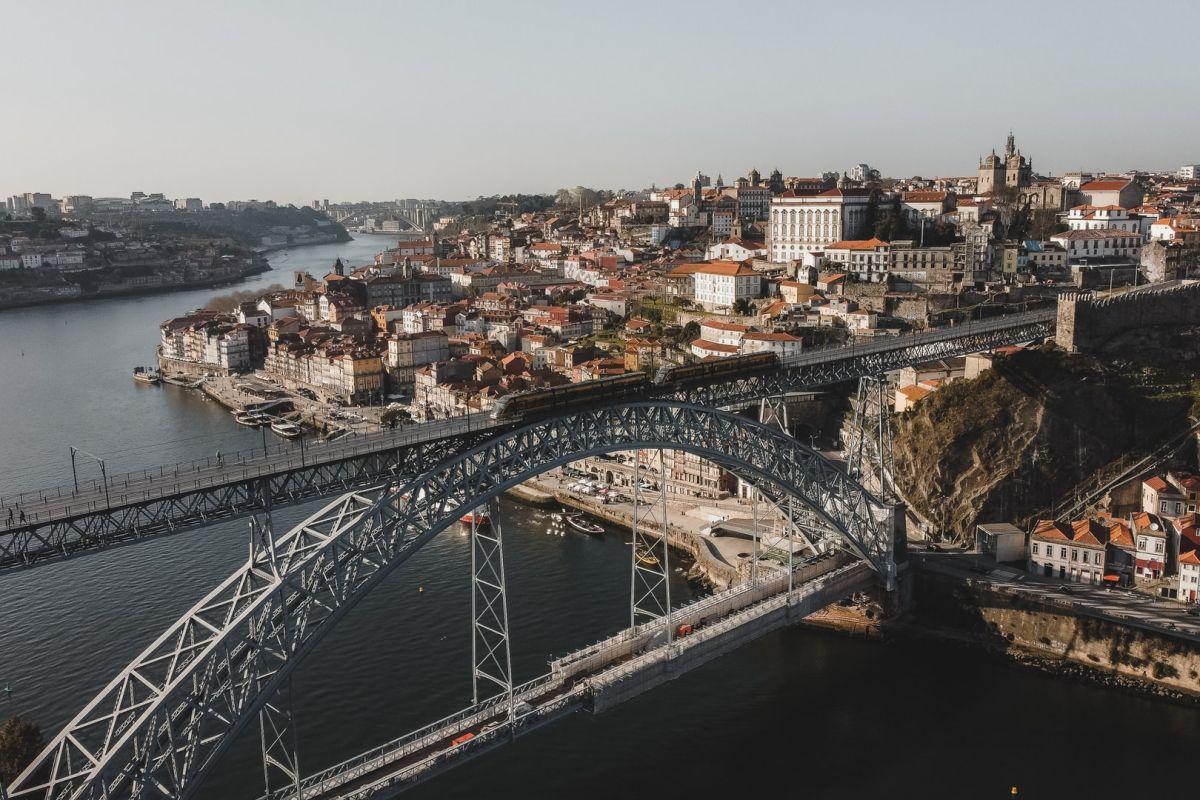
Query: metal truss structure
[491, 652]
[238, 492]
[821, 367]
[870, 442]
[650, 573]
[160, 726]
[166, 506]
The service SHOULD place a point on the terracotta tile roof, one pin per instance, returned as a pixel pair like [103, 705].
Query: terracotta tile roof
[1049, 529]
[925, 197]
[770, 336]
[914, 393]
[721, 325]
[726, 268]
[714, 347]
[1105, 186]
[1082, 533]
[1156, 483]
[858, 244]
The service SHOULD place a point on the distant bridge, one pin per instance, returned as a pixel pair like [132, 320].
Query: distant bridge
[62, 522]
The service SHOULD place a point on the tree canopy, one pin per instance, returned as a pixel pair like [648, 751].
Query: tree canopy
[20, 742]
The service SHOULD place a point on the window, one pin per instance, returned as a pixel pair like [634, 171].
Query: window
[1074, 554]
[1085, 556]
[1062, 552]
[1035, 548]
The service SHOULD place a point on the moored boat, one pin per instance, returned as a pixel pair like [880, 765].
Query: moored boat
[288, 430]
[252, 419]
[646, 557]
[582, 525]
[478, 516]
[147, 376]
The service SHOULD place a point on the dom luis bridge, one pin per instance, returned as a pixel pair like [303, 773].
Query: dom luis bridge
[72, 520]
[163, 724]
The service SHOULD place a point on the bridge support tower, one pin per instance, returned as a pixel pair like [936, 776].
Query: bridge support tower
[491, 653]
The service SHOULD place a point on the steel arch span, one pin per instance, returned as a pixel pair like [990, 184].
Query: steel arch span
[160, 725]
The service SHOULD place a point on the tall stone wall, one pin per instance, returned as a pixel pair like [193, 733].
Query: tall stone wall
[1086, 322]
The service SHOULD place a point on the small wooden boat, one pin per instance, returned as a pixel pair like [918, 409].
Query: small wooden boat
[146, 376]
[582, 525]
[251, 419]
[646, 557]
[479, 517]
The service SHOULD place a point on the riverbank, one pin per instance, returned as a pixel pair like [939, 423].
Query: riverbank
[704, 568]
[58, 295]
[1050, 638]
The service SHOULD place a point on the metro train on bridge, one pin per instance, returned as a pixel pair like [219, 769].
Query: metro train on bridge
[633, 386]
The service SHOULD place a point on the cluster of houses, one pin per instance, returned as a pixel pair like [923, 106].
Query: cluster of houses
[1155, 547]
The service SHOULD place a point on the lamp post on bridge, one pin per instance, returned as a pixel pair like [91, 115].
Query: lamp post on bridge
[103, 472]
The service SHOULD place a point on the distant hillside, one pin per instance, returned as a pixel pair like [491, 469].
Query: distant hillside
[1012, 441]
[245, 227]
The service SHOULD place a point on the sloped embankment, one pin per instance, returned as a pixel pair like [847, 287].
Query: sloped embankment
[1011, 442]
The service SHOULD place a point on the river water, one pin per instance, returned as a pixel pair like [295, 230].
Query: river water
[796, 713]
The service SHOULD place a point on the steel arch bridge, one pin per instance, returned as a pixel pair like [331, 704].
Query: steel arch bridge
[159, 727]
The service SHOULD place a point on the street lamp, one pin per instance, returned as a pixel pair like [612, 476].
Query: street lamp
[103, 472]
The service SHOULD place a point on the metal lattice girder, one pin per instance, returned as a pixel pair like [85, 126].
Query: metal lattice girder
[649, 584]
[825, 366]
[277, 733]
[491, 650]
[168, 506]
[871, 435]
[188, 504]
[163, 722]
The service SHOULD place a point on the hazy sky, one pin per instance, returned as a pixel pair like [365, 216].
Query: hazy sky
[356, 100]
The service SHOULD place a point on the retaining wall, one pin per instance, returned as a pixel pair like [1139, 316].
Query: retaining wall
[1086, 322]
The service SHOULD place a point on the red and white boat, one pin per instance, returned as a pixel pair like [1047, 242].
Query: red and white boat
[479, 517]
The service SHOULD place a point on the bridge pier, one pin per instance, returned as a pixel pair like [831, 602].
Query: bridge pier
[280, 751]
[491, 652]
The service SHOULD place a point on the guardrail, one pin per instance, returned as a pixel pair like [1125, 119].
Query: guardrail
[124, 489]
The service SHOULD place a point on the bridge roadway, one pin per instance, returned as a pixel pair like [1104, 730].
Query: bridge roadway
[61, 522]
[595, 678]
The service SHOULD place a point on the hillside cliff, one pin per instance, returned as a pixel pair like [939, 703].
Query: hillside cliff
[1013, 441]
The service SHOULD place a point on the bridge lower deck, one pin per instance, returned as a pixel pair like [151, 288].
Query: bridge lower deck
[594, 678]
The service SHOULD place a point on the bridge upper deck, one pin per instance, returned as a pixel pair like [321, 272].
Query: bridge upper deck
[61, 521]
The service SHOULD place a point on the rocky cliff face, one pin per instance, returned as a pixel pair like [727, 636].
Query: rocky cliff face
[1011, 442]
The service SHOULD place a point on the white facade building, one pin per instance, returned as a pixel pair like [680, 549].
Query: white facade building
[803, 223]
[1099, 243]
[719, 285]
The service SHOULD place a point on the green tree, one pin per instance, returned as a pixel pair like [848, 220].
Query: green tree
[38, 213]
[743, 306]
[689, 332]
[20, 742]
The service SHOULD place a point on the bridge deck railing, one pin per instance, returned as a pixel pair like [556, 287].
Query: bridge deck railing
[413, 741]
[735, 619]
[241, 465]
[942, 333]
[149, 484]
